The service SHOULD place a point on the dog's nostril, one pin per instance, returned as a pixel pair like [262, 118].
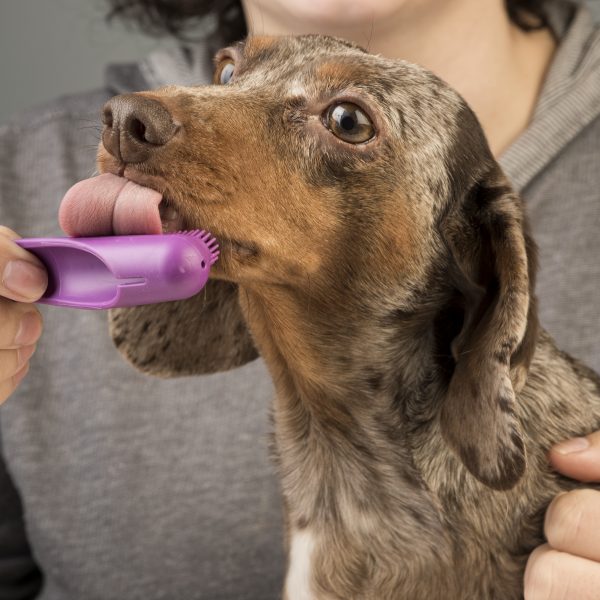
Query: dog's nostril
[137, 129]
[107, 117]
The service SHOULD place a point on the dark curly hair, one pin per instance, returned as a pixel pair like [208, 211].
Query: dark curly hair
[181, 18]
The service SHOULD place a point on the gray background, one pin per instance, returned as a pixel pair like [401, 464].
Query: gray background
[53, 47]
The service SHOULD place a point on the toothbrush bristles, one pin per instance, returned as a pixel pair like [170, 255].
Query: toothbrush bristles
[211, 242]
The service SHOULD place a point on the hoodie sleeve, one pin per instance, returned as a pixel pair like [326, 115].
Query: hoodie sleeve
[40, 153]
[20, 576]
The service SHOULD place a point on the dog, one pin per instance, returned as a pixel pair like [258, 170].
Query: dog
[375, 256]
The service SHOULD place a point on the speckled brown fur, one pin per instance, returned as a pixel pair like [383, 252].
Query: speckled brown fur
[389, 288]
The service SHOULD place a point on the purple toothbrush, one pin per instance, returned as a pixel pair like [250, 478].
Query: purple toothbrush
[128, 270]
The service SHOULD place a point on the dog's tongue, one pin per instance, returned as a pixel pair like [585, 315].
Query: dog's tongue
[109, 205]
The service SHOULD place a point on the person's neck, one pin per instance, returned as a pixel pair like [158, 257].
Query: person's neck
[472, 45]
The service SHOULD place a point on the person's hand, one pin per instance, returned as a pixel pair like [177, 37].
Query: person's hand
[568, 566]
[23, 280]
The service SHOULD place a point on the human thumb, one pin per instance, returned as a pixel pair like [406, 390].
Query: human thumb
[578, 458]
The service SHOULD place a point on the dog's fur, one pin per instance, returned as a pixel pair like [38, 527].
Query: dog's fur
[388, 286]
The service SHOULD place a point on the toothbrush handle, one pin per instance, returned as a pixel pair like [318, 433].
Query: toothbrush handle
[121, 271]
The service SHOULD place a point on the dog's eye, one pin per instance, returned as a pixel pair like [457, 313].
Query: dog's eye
[349, 122]
[225, 71]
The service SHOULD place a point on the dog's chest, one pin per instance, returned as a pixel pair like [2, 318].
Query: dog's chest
[298, 580]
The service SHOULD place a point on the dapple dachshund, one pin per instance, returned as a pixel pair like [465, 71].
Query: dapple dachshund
[376, 257]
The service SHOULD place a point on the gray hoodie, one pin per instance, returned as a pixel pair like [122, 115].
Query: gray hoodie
[139, 488]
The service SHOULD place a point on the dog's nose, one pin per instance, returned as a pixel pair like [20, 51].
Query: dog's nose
[135, 127]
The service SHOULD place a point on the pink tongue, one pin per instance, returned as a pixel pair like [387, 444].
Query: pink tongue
[107, 205]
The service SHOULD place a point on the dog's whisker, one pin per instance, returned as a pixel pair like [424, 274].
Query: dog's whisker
[86, 120]
[262, 20]
[370, 38]
[465, 352]
[309, 294]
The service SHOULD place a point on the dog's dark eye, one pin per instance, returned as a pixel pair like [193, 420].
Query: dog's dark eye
[349, 122]
[225, 71]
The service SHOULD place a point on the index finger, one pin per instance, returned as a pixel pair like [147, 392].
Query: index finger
[578, 458]
[23, 277]
[9, 233]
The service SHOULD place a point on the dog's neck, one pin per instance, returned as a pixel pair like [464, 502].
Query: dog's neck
[322, 349]
[342, 442]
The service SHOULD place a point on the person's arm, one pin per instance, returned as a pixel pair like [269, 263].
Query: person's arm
[20, 326]
[568, 566]
[22, 281]
[20, 577]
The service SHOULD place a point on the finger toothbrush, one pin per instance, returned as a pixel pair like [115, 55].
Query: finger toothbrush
[119, 271]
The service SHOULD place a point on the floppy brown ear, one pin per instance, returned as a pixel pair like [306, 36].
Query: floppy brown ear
[203, 334]
[493, 268]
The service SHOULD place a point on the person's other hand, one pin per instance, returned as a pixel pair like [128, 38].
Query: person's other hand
[23, 280]
[568, 566]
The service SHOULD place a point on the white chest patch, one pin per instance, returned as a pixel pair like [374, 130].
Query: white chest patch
[298, 579]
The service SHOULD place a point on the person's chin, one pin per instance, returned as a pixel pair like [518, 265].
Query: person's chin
[337, 15]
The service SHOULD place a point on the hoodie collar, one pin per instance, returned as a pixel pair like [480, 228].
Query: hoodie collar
[178, 65]
[183, 65]
[569, 99]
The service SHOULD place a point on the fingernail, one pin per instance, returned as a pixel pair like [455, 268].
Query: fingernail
[24, 278]
[577, 444]
[24, 354]
[29, 329]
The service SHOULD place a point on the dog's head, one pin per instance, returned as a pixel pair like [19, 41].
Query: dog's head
[346, 177]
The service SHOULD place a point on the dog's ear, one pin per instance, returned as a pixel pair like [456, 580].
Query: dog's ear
[493, 268]
[203, 334]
